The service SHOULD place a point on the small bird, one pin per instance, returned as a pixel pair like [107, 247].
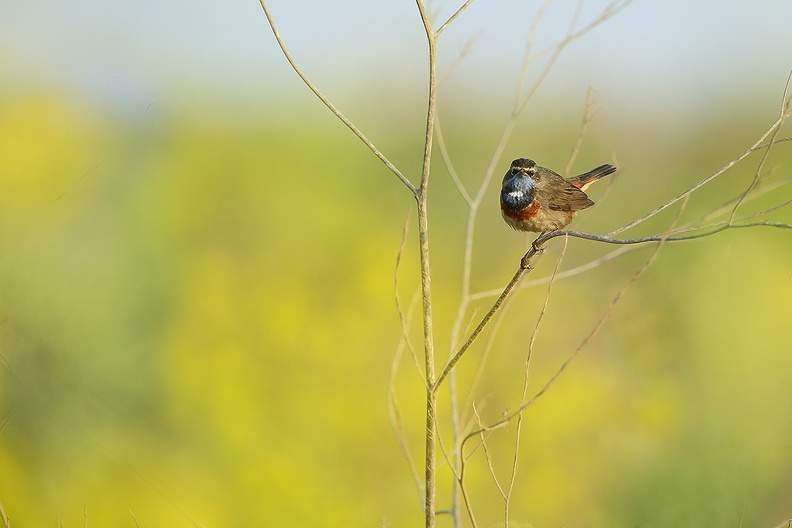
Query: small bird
[535, 198]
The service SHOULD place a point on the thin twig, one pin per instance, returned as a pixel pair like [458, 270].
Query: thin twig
[729, 204]
[770, 143]
[509, 287]
[350, 125]
[488, 457]
[753, 148]
[137, 525]
[521, 101]
[610, 11]
[488, 346]
[588, 266]
[584, 343]
[519, 105]
[4, 517]
[537, 246]
[526, 379]
[757, 175]
[453, 17]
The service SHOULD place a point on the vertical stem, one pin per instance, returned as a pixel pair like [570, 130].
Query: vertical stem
[431, 394]
[431, 464]
[426, 282]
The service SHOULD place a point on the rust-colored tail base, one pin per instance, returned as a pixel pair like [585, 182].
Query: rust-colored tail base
[587, 178]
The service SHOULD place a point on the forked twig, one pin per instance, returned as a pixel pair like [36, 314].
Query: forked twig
[520, 104]
[758, 144]
[538, 246]
[583, 344]
[474, 200]
[785, 103]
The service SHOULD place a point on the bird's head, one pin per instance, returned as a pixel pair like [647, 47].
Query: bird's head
[519, 184]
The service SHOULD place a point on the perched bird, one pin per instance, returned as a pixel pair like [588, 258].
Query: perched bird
[534, 198]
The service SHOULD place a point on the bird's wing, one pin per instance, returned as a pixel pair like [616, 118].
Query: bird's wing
[565, 197]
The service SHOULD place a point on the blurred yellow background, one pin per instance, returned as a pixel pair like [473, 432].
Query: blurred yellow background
[197, 315]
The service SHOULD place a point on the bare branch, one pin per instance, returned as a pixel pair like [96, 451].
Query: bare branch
[765, 145]
[562, 275]
[588, 266]
[4, 518]
[421, 194]
[757, 175]
[453, 17]
[351, 126]
[519, 106]
[486, 353]
[509, 417]
[537, 247]
[526, 379]
[488, 457]
[757, 145]
[137, 525]
[509, 287]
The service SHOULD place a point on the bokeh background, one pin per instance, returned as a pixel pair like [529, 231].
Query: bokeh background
[197, 316]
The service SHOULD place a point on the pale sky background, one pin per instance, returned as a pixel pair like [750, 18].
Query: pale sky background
[671, 53]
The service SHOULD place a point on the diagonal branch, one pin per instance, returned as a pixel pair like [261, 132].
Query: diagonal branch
[538, 246]
[757, 145]
[453, 17]
[583, 344]
[785, 103]
[350, 125]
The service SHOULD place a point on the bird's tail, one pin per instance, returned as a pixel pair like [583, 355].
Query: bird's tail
[586, 179]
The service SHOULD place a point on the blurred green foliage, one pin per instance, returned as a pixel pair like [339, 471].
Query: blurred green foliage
[197, 324]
